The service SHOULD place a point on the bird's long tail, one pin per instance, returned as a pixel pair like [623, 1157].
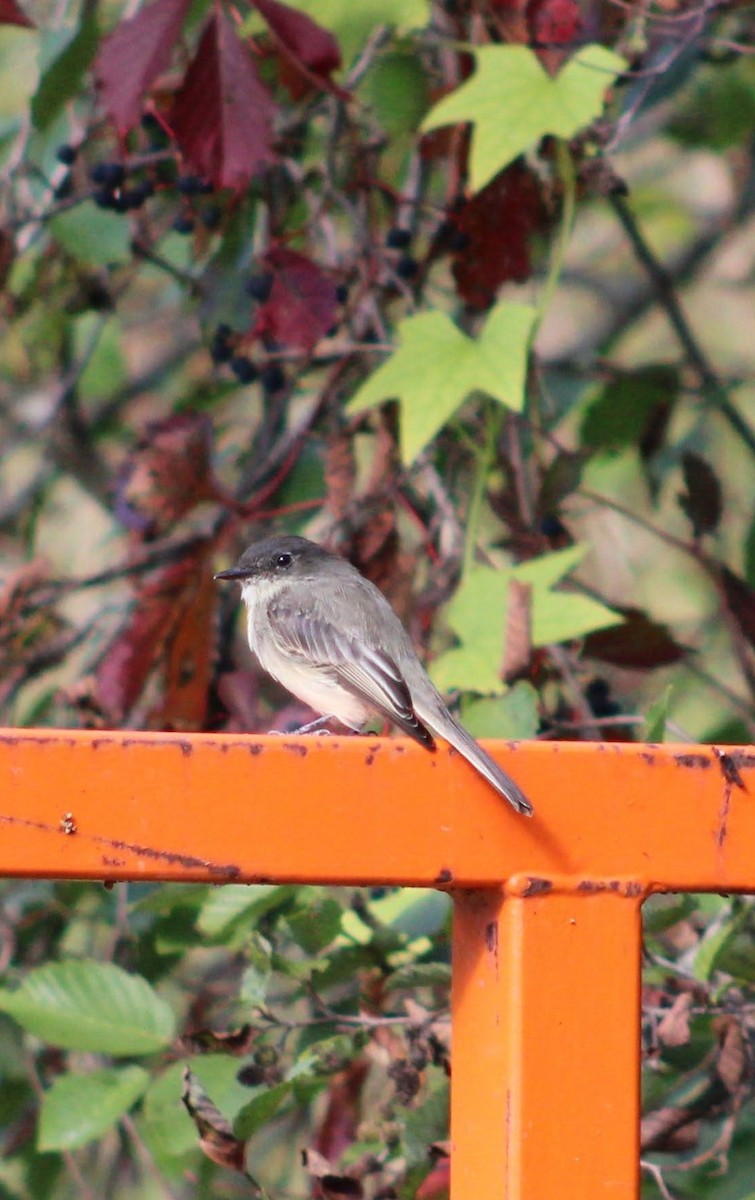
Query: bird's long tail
[457, 736]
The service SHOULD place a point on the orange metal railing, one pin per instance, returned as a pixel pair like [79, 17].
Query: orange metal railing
[546, 980]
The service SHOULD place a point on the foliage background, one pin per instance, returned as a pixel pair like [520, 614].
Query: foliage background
[231, 239]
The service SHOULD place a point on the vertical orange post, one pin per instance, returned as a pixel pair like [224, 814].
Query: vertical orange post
[546, 1042]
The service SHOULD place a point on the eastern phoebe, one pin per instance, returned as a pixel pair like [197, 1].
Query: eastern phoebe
[330, 637]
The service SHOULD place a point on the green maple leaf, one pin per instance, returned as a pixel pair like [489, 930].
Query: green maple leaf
[513, 102]
[436, 367]
[478, 613]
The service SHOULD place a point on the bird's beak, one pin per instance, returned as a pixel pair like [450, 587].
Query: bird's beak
[231, 573]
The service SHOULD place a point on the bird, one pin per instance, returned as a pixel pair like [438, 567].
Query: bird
[330, 637]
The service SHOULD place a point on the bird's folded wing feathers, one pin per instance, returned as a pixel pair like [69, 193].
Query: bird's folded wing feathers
[368, 673]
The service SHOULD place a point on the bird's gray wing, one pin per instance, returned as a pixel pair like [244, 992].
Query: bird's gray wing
[359, 669]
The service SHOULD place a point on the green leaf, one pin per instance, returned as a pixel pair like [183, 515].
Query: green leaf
[84, 1005]
[258, 1111]
[657, 715]
[316, 924]
[236, 901]
[513, 102]
[417, 975]
[475, 665]
[258, 973]
[93, 235]
[79, 1108]
[515, 715]
[428, 1123]
[65, 56]
[436, 367]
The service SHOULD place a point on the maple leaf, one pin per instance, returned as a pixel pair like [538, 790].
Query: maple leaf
[437, 366]
[310, 46]
[476, 665]
[11, 14]
[133, 55]
[302, 303]
[513, 102]
[222, 115]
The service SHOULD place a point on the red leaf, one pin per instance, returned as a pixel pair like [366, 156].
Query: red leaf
[11, 14]
[308, 43]
[302, 304]
[222, 115]
[553, 22]
[133, 55]
[639, 644]
[169, 627]
[435, 1186]
[168, 473]
[495, 227]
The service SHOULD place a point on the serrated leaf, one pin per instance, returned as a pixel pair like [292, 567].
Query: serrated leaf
[561, 616]
[83, 1005]
[224, 906]
[437, 366]
[513, 102]
[79, 1108]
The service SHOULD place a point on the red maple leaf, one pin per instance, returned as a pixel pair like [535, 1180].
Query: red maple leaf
[222, 114]
[496, 226]
[11, 14]
[306, 42]
[133, 55]
[302, 304]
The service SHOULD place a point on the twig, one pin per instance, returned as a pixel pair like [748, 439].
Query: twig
[663, 285]
[657, 1177]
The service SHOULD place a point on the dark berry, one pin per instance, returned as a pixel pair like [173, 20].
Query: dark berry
[407, 267]
[64, 188]
[150, 122]
[259, 286]
[598, 696]
[112, 174]
[220, 352]
[223, 331]
[398, 239]
[551, 527]
[183, 224]
[190, 185]
[272, 378]
[211, 216]
[458, 240]
[342, 293]
[104, 197]
[66, 155]
[244, 370]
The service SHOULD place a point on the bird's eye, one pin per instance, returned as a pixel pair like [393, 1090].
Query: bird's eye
[284, 560]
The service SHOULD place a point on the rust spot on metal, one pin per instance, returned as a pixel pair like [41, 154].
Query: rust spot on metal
[491, 937]
[536, 886]
[444, 876]
[693, 760]
[23, 738]
[742, 758]
[226, 870]
[633, 888]
[254, 750]
[730, 769]
[369, 760]
[68, 824]
[619, 887]
[296, 748]
[113, 862]
[648, 757]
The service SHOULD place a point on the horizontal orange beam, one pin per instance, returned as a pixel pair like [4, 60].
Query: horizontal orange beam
[627, 818]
